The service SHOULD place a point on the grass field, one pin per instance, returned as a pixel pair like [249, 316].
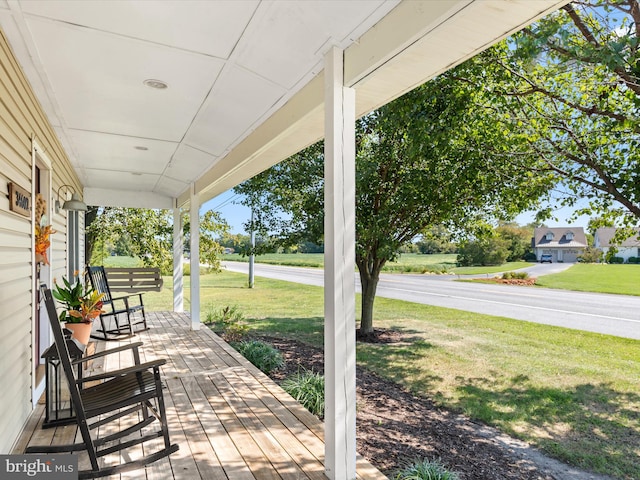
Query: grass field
[574, 394]
[406, 263]
[596, 277]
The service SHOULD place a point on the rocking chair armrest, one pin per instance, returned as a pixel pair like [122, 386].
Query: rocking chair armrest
[121, 348]
[115, 373]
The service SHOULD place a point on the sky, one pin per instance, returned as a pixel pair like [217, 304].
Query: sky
[236, 214]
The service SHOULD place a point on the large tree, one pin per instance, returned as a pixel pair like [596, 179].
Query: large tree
[571, 91]
[149, 234]
[420, 161]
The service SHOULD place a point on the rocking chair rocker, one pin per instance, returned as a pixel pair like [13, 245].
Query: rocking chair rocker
[130, 392]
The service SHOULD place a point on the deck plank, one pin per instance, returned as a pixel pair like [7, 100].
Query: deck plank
[231, 421]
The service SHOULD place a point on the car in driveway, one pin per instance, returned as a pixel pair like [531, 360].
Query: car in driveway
[546, 258]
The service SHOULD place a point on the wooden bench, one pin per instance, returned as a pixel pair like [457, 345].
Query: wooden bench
[134, 280]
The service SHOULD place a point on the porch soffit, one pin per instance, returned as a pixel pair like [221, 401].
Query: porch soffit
[245, 87]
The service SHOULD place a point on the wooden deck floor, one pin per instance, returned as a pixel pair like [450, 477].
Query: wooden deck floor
[230, 420]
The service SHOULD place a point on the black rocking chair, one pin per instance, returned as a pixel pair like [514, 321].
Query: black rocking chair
[126, 311]
[133, 393]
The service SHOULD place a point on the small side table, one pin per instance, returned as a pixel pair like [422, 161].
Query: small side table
[58, 408]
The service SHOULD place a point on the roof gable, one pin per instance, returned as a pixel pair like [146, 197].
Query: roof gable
[559, 237]
[604, 235]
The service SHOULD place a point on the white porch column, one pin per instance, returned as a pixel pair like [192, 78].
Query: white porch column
[194, 215]
[339, 264]
[178, 284]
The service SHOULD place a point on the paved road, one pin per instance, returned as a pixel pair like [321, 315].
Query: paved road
[602, 313]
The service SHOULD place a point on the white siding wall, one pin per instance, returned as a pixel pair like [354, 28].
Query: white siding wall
[21, 120]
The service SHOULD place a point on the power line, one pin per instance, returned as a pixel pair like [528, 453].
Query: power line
[226, 202]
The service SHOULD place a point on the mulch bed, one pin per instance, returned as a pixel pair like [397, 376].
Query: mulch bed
[395, 426]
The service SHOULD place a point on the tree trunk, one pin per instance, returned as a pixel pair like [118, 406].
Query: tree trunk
[369, 278]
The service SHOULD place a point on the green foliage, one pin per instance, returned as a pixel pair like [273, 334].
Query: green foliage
[70, 295]
[615, 260]
[519, 239]
[633, 260]
[487, 250]
[425, 470]
[204, 269]
[211, 226]
[307, 387]
[421, 161]
[436, 239]
[239, 243]
[231, 322]
[515, 275]
[590, 255]
[148, 235]
[261, 354]
[569, 87]
[82, 304]
[610, 255]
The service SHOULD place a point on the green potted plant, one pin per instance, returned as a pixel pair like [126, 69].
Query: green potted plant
[82, 304]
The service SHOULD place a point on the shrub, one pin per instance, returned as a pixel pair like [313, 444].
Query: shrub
[262, 355]
[530, 257]
[590, 255]
[615, 260]
[307, 387]
[230, 322]
[484, 251]
[515, 275]
[186, 270]
[633, 260]
[425, 470]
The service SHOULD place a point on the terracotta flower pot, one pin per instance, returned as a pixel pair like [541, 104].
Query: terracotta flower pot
[81, 331]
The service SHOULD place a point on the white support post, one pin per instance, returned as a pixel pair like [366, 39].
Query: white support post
[339, 264]
[178, 251]
[194, 215]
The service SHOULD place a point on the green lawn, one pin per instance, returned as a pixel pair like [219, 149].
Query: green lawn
[406, 263]
[289, 259]
[574, 394]
[596, 277]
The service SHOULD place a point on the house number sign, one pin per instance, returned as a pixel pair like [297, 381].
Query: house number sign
[19, 200]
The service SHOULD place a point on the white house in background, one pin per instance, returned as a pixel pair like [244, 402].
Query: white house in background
[630, 247]
[564, 244]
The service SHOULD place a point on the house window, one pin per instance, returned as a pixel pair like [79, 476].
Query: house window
[549, 236]
[569, 235]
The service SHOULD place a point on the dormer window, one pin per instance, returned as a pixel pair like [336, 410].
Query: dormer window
[549, 236]
[569, 235]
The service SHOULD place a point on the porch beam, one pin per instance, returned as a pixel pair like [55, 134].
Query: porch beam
[339, 288]
[194, 256]
[178, 270]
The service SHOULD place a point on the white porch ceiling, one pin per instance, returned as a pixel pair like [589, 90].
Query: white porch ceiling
[244, 78]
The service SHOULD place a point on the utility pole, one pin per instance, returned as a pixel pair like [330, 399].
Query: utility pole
[252, 257]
